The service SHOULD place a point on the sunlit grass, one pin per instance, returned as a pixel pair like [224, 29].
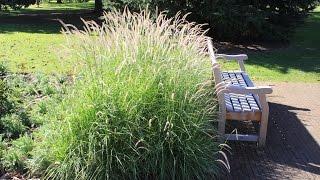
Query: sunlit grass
[32, 48]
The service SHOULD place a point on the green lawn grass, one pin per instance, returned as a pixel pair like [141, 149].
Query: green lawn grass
[300, 62]
[37, 47]
[31, 52]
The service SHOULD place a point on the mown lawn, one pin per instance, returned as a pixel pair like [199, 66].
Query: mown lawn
[299, 62]
[37, 47]
[32, 49]
[31, 39]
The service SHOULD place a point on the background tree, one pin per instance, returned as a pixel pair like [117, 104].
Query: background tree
[15, 4]
[98, 5]
[235, 19]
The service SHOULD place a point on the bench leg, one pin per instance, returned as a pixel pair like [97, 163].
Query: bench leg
[222, 117]
[264, 121]
[222, 127]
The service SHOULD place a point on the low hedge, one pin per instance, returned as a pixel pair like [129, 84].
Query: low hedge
[235, 20]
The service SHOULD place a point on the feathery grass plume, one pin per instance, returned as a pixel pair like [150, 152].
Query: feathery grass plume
[141, 107]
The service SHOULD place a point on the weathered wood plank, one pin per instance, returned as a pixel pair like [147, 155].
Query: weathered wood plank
[241, 137]
[244, 115]
[239, 102]
[247, 79]
[264, 120]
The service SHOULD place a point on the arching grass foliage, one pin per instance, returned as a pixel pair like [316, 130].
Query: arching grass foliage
[142, 106]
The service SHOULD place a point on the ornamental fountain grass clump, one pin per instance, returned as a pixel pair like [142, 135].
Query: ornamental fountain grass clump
[141, 107]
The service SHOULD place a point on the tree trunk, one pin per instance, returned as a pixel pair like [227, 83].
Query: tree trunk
[98, 6]
[59, 1]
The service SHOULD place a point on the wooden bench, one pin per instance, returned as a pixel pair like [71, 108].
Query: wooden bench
[239, 99]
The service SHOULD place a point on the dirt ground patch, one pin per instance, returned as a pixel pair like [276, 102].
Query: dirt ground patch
[293, 142]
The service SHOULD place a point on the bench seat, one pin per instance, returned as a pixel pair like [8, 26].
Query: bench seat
[240, 106]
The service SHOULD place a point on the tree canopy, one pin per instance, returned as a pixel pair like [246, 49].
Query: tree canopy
[234, 19]
[15, 4]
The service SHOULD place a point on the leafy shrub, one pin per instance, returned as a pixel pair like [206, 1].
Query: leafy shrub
[5, 105]
[141, 108]
[12, 126]
[15, 157]
[15, 4]
[2, 152]
[22, 106]
[19, 98]
[3, 69]
[234, 19]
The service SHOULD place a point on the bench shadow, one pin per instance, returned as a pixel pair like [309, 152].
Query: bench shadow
[289, 148]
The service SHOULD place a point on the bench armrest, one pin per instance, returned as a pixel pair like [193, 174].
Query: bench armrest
[250, 90]
[244, 90]
[238, 57]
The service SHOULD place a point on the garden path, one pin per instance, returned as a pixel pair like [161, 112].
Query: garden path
[293, 142]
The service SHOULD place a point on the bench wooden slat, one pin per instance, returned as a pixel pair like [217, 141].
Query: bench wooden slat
[239, 103]
[247, 79]
[244, 115]
[241, 137]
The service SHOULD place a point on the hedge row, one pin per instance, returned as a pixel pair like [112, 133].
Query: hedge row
[15, 4]
[234, 19]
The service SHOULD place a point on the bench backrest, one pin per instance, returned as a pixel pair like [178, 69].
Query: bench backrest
[215, 65]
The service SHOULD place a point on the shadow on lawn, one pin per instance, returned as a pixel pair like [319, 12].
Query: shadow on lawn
[44, 23]
[289, 148]
[303, 53]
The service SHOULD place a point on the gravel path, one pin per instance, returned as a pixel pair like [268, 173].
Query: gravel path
[293, 142]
